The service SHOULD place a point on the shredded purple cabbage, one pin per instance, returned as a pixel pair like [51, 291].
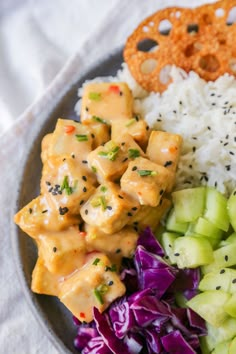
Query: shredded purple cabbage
[146, 319]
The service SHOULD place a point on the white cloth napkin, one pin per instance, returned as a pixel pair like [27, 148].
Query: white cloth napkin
[43, 36]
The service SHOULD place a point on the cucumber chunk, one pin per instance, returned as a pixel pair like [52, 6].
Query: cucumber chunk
[230, 306]
[222, 348]
[210, 306]
[229, 240]
[173, 225]
[214, 242]
[232, 347]
[206, 228]
[167, 241]
[231, 207]
[216, 209]
[192, 252]
[224, 333]
[189, 204]
[223, 257]
[222, 279]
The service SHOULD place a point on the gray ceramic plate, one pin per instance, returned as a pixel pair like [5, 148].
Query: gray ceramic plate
[49, 312]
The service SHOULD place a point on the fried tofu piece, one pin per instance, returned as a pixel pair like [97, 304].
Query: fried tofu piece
[107, 101]
[109, 208]
[66, 184]
[110, 161]
[100, 132]
[38, 216]
[94, 285]
[121, 243]
[62, 252]
[145, 181]
[44, 282]
[135, 127]
[149, 216]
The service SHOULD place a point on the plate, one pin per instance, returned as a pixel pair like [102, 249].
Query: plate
[55, 319]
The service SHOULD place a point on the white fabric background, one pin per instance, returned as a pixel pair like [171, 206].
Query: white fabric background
[44, 46]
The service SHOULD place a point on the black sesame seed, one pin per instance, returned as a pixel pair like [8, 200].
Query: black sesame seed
[84, 189]
[84, 161]
[227, 136]
[60, 192]
[73, 156]
[176, 254]
[216, 184]
[135, 222]
[86, 109]
[123, 143]
[166, 257]
[161, 191]
[109, 207]
[48, 183]
[110, 283]
[30, 210]
[92, 135]
[86, 211]
[213, 104]
[81, 202]
[218, 287]
[125, 159]
[129, 214]
[180, 102]
[84, 178]
[170, 246]
[234, 281]
[134, 208]
[50, 189]
[222, 271]
[64, 159]
[168, 163]
[54, 249]
[194, 138]
[159, 120]
[44, 211]
[228, 167]
[134, 168]
[209, 128]
[225, 144]
[190, 166]
[63, 211]
[174, 111]
[118, 250]
[226, 258]
[121, 93]
[212, 94]
[120, 196]
[231, 153]
[234, 193]
[135, 228]
[147, 127]
[194, 148]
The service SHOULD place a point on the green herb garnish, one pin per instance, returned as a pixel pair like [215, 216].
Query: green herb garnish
[82, 137]
[93, 168]
[146, 173]
[99, 120]
[96, 261]
[95, 96]
[103, 189]
[99, 201]
[130, 122]
[65, 186]
[98, 296]
[110, 155]
[133, 153]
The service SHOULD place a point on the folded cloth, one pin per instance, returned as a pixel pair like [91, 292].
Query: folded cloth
[20, 332]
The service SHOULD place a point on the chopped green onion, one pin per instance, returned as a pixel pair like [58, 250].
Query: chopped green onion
[82, 137]
[133, 153]
[99, 120]
[113, 268]
[95, 96]
[103, 189]
[96, 261]
[98, 296]
[100, 201]
[65, 185]
[146, 173]
[130, 122]
[110, 155]
[94, 169]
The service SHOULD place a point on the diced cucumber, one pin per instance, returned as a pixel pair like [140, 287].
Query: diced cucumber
[180, 300]
[189, 204]
[222, 348]
[214, 242]
[231, 207]
[167, 242]
[216, 209]
[219, 280]
[232, 346]
[231, 239]
[223, 257]
[173, 225]
[192, 252]
[230, 306]
[206, 228]
[224, 333]
[210, 306]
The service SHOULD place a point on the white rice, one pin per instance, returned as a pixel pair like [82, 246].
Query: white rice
[204, 113]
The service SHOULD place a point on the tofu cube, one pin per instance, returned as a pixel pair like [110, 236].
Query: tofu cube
[70, 139]
[62, 252]
[100, 133]
[107, 101]
[110, 161]
[38, 215]
[136, 127]
[145, 181]
[66, 184]
[94, 285]
[44, 282]
[109, 208]
[164, 149]
[149, 216]
[121, 243]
